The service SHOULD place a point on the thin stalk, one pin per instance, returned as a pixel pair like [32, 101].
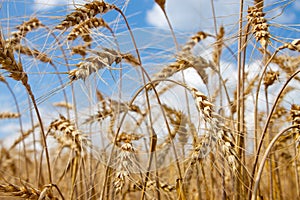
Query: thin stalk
[45, 146]
[240, 102]
[21, 127]
[132, 100]
[269, 139]
[297, 173]
[267, 124]
[262, 164]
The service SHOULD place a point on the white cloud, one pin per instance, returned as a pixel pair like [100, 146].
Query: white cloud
[51, 4]
[193, 14]
[197, 14]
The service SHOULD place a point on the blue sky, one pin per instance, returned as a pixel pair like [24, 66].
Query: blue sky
[150, 29]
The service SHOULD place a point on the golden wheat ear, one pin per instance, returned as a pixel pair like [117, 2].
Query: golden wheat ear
[9, 115]
[295, 115]
[92, 64]
[84, 13]
[23, 29]
[259, 25]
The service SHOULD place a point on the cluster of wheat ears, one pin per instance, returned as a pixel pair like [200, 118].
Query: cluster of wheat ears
[229, 141]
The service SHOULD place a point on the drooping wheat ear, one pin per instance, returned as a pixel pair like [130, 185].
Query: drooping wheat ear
[9, 63]
[63, 104]
[16, 72]
[289, 64]
[105, 110]
[92, 64]
[259, 25]
[129, 58]
[71, 137]
[152, 185]
[218, 46]
[180, 122]
[23, 29]
[81, 49]
[125, 161]
[33, 52]
[24, 191]
[183, 62]
[270, 77]
[83, 29]
[109, 107]
[127, 138]
[9, 115]
[199, 152]
[247, 91]
[194, 40]
[293, 46]
[219, 133]
[295, 115]
[279, 112]
[23, 136]
[2, 79]
[85, 12]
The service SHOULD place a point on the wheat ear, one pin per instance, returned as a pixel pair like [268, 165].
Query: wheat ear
[85, 12]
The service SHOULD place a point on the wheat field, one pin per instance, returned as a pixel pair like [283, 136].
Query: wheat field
[95, 108]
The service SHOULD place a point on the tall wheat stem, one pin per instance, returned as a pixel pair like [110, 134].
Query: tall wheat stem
[262, 164]
[267, 125]
[240, 103]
